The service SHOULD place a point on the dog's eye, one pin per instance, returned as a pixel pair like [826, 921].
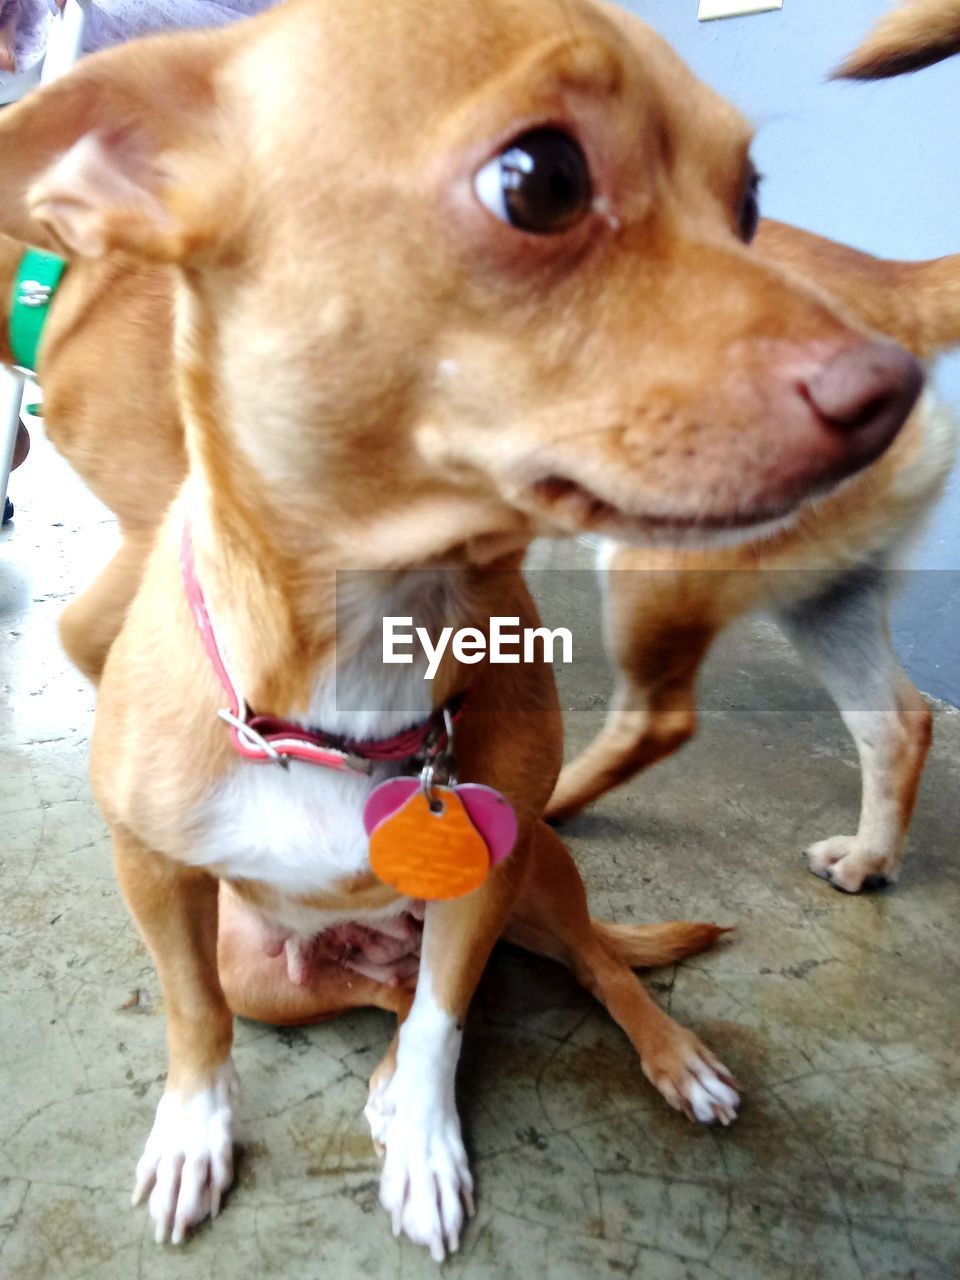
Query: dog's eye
[540, 183]
[749, 216]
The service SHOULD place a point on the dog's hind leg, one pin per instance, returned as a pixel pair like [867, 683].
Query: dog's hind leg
[551, 918]
[843, 635]
[660, 624]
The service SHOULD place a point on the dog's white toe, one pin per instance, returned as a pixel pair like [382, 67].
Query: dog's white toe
[710, 1097]
[426, 1186]
[187, 1163]
[848, 866]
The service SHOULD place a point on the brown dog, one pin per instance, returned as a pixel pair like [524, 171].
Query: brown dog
[827, 578]
[404, 352]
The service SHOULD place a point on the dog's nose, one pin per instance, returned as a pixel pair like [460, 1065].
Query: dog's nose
[865, 394]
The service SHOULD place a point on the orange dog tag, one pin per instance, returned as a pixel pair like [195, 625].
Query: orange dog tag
[427, 853]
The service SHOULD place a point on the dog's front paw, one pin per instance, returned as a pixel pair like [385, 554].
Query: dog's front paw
[844, 862]
[187, 1163]
[426, 1186]
[691, 1079]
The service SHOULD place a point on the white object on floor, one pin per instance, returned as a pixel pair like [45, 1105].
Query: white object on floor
[734, 8]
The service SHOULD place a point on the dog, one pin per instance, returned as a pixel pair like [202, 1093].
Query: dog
[827, 578]
[404, 353]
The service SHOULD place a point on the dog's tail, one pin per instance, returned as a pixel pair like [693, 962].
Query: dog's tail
[641, 946]
[644, 946]
[917, 34]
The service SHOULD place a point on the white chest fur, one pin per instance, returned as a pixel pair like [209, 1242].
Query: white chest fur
[300, 829]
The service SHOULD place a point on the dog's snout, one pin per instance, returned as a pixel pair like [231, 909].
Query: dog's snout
[865, 393]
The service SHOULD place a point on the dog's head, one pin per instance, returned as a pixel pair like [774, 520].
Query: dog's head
[458, 270]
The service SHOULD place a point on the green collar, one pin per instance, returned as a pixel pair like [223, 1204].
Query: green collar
[34, 286]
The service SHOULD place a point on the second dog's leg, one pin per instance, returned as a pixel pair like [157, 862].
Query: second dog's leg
[660, 624]
[843, 635]
[187, 1163]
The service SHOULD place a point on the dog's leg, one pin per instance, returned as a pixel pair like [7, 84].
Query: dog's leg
[426, 1185]
[843, 635]
[645, 723]
[660, 625]
[551, 917]
[187, 1163]
[90, 624]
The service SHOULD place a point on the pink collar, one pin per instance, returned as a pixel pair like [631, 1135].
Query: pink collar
[270, 740]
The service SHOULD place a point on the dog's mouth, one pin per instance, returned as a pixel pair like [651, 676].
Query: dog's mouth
[573, 506]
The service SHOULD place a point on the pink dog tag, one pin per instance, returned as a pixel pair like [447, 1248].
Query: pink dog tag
[490, 813]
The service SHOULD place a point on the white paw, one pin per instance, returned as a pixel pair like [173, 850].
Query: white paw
[187, 1163]
[848, 866]
[711, 1098]
[426, 1186]
[693, 1081]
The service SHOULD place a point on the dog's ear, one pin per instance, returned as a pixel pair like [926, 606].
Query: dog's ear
[124, 153]
[916, 34]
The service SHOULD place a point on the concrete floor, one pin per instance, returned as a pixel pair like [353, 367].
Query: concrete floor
[840, 1016]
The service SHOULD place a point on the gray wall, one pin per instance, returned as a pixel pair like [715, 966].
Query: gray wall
[873, 165]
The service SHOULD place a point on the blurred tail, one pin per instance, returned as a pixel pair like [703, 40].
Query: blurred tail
[641, 946]
[917, 34]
